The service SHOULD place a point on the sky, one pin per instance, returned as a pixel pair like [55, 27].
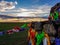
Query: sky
[26, 8]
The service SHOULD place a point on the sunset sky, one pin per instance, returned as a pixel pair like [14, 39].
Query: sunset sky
[26, 8]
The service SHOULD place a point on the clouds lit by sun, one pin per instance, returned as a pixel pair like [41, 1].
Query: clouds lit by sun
[26, 8]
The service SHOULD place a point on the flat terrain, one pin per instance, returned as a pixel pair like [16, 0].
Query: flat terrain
[19, 38]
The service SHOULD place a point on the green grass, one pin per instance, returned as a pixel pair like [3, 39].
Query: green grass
[19, 38]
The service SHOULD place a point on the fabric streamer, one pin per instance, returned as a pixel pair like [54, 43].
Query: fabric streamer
[52, 40]
[56, 15]
[22, 29]
[51, 16]
[9, 32]
[15, 30]
[45, 40]
[58, 9]
[24, 26]
[30, 43]
[48, 39]
[31, 36]
[58, 30]
[57, 41]
[1, 33]
[39, 38]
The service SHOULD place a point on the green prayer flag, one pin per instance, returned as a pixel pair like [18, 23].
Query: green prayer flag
[39, 38]
[56, 15]
[50, 14]
[24, 26]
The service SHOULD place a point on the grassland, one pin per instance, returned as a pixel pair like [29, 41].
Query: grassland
[19, 38]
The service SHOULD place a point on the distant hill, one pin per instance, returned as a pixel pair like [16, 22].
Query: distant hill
[45, 17]
[5, 16]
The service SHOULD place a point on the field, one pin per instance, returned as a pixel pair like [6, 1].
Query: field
[16, 38]
[19, 38]
[13, 39]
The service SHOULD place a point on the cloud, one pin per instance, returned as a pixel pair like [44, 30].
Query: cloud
[16, 2]
[39, 11]
[7, 5]
[36, 11]
[35, 1]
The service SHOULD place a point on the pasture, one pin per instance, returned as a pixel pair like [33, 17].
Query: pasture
[19, 38]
